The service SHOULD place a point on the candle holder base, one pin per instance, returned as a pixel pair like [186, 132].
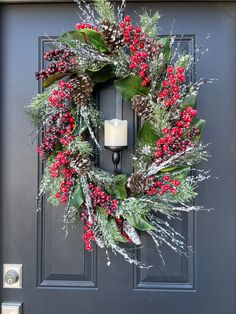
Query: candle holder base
[116, 150]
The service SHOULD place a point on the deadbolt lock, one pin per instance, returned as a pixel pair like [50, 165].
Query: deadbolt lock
[12, 276]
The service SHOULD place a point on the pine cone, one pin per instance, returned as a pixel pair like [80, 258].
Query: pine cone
[82, 163]
[138, 183]
[142, 106]
[174, 113]
[112, 36]
[82, 88]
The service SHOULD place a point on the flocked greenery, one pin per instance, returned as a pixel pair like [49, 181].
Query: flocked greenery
[36, 111]
[140, 212]
[105, 10]
[149, 23]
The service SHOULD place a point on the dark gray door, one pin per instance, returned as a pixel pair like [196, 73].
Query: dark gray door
[58, 275]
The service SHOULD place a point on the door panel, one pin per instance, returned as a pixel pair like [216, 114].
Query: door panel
[59, 276]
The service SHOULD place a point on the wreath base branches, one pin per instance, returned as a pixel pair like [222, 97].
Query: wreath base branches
[116, 208]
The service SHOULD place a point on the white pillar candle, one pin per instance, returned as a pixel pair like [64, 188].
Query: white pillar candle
[116, 132]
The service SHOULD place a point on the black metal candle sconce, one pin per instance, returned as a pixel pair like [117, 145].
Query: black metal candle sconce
[116, 153]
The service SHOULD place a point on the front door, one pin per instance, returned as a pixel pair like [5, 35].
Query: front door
[59, 276]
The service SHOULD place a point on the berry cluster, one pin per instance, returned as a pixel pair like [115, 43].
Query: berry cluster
[187, 116]
[100, 198]
[120, 224]
[61, 94]
[65, 60]
[178, 138]
[142, 49]
[59, 129]
[79, 26]
[88, 235]
[163, 185]
[61, 168]
[170, 92]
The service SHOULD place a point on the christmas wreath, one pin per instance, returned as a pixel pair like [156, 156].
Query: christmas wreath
[155, 81]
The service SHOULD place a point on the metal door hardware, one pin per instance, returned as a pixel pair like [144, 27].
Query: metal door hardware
[12, 276]
[11, 308]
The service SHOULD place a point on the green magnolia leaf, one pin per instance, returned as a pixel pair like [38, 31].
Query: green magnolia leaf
[115, 232]
[70, 37]
[167, 55]
[52, 157]
[77, 198]
[119, 187]
[170, 169]
[102, 211]
[102, 74]
[88, 36]
[198, 123]
[181, 173]
[140, 222]
[80, 125]
[189, 101]
[51, 79]
[79, 130]
[130, 86]
[147, 134]
[94, 38]
[178, 173]
[111, 225]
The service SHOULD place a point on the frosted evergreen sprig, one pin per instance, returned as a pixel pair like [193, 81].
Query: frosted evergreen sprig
[105, 10]
[149, 23]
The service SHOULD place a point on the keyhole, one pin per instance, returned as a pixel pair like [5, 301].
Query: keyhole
[11, 277]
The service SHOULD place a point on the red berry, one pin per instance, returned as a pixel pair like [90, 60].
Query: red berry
[170, 69]
[180, 70]
[130, 28]
[88, 247]
[170, 140]
[127, 19]
[177, 96]
[132, 66]
[165, 83]
[165, 92]
[166, 188]
[64, 199]
[133, 48]
[58, 195]
[165, 130]
[172, 81]
[176, 182]
[175, 89]
[193, 113]
[144, 54]
[179, 124]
